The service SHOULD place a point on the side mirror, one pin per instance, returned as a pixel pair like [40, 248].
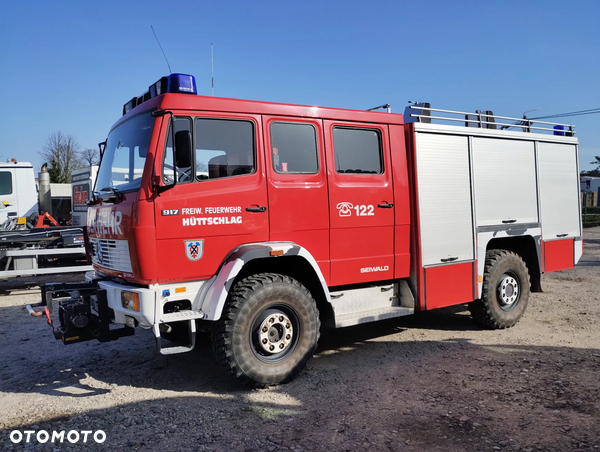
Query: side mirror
[183, 149]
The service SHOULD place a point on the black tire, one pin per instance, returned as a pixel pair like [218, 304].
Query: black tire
[505, 291]
[268, 330]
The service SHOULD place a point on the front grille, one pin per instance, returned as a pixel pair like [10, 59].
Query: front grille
[111, 254]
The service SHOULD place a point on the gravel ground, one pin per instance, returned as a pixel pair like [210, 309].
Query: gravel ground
[431, 382]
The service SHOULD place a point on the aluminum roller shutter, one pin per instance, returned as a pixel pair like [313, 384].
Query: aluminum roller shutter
[444, 190]
[505, 181]
[559, 190]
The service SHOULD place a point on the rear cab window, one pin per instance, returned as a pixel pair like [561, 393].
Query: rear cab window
[357, 151]
[294, 148]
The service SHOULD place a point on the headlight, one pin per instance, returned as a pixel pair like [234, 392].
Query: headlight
[130, 300]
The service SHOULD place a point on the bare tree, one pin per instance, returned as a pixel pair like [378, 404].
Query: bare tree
[62, 154]
[89, 156]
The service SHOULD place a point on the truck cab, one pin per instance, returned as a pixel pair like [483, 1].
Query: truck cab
[18, 194]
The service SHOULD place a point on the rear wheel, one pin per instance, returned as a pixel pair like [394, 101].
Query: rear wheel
[268, 331]
[505, 290]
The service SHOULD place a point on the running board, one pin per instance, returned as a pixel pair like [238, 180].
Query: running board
[181, 315]
[172, 350]
[353, 307]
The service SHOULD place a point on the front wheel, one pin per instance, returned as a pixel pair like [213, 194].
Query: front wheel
[268, 331]
[505, 290]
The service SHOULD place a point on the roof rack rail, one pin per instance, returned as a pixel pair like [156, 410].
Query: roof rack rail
[422, 112]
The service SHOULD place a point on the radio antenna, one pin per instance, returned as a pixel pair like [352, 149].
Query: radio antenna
[212, 68]
[161, 49]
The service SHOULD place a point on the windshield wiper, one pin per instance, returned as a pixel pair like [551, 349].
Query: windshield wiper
[115, 192]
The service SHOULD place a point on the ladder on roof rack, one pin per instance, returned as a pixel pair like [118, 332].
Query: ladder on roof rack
[422, 112]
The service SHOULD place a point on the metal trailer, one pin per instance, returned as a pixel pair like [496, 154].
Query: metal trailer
[41, 251]
[27, 248]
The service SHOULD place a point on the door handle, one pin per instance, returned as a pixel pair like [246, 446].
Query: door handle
[385, 205]
[561, 235]
[256, 209]
[509, 221]
[449, 259]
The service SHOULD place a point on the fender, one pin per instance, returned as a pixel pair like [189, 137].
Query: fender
[485, 234]
[218, 287]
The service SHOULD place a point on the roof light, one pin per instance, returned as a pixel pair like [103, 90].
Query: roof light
[180, 83]
[174, 83]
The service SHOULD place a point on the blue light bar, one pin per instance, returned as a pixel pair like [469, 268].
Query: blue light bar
[174, 83]
[181, 83]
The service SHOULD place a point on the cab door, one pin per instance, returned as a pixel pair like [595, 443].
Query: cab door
[361, 202]
[219, 201]
[297, 185]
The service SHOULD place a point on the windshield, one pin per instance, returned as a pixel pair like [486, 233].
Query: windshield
[125, 155]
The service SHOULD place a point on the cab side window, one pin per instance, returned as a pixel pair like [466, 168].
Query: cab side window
[224, 148]
[357, 151]
[294, 148]
[5, 183]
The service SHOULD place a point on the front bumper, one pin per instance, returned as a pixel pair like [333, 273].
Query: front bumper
[79, 312]
[106, 310]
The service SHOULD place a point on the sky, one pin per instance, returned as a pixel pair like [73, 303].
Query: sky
[70, 66]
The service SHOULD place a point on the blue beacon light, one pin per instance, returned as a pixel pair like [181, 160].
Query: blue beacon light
[174, 83]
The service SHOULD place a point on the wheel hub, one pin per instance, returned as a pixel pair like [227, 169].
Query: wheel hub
[275, 333]
[508, 291]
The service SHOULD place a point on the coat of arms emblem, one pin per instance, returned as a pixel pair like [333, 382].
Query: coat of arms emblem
[194, 249]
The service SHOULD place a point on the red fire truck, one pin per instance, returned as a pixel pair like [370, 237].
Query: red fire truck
[262, 222]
